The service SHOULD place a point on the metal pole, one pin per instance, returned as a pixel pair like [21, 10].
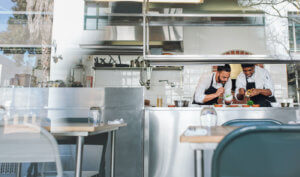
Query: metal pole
[202, 163]
[294, 37]
[79, 152]
[19, 166]
[112, 156]
[297, 84]
[144, 28]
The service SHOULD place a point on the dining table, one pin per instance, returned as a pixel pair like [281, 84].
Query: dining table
[82, 131]
[203, 138]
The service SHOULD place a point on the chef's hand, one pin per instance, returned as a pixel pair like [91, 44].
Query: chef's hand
[220, 91]
[241, 94]
[254, 92]
[242, 91]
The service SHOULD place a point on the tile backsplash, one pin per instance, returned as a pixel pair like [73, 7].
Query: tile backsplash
[174, 84]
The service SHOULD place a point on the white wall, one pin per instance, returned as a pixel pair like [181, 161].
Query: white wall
[217, 40]
[68, 32]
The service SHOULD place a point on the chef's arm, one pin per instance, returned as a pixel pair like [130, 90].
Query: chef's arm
[210, 97]
[240, 87]
[265, 92]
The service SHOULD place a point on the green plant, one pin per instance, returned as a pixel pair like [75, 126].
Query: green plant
[250, 103]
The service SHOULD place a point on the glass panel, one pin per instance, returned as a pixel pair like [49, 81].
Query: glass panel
[91, 24]
[25, 42]
[91, 11]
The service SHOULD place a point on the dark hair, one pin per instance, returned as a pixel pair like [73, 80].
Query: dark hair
[247, 65]
[226, 68]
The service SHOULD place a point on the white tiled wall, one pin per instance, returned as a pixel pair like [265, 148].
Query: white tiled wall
[185, 81]
[278, 73]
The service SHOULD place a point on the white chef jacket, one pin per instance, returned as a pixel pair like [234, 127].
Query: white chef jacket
[261, 77]
[204, 84]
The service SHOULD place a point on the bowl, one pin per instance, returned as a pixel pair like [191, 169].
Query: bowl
[233, 106]
[181, 103]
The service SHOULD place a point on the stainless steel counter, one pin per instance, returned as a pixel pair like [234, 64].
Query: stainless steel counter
[165, 156]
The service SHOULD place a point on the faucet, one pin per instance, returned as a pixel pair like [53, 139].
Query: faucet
[172, 84]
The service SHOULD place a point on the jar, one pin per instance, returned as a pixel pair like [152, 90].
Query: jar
[208, 117]
[95, 116]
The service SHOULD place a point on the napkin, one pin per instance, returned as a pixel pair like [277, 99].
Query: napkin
[196, 132]
[116, 121]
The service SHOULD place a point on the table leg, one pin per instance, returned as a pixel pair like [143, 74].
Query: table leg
[199, 163]
[19, 169]
[79, 151]
[202, 163]
[112, 156]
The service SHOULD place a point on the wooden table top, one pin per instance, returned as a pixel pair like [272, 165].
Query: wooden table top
[84, 128]
[214, 135]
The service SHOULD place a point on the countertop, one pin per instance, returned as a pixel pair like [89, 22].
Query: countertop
[221, 109]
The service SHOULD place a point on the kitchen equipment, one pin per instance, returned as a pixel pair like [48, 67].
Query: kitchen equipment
[120, 63]
[132, 63]
[100, 62]
[159, 101]
[96, 115]
[144, 64]
[208, 117]
[137, 62]
[181, 103]
[78, 74]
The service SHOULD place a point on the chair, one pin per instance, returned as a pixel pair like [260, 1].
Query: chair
[24, 143]
[258, 151]
[253, 122]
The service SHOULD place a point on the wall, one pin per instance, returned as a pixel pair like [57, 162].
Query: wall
[217, 40]
[233, 38]
[68, 32]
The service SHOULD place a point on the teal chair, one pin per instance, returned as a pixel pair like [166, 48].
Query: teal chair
[253, 122]
[259, 151]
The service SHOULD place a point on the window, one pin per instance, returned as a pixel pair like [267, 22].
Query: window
[294, 31]
[93, 11]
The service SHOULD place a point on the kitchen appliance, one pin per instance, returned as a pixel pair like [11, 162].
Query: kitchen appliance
[181, 103]
[78, 75]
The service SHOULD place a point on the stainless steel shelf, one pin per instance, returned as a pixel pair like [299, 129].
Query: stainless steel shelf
[211, 59]
[205, 15]
[168, 68]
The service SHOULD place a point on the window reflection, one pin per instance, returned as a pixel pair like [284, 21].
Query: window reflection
[25, 42]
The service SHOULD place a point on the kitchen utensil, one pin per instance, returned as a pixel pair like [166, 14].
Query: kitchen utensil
[132, 63]
[181, 103]
[120, 63]
[137, 62]
[159, 101]
[112, 61]
[144, 64]
[208, 117]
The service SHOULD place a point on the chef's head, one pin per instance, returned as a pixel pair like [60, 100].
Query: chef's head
[248, 69]
[223, 73]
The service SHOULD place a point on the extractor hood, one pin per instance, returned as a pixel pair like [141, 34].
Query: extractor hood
[122, 32]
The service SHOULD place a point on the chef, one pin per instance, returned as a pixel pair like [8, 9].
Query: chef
[258, 83]
[214, 85]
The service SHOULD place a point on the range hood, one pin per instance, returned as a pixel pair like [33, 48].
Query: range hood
[122, 32]
[122, 29]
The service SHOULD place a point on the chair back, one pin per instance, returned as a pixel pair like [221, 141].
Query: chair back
[25, 143]
[258, 151]
[253, 122]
